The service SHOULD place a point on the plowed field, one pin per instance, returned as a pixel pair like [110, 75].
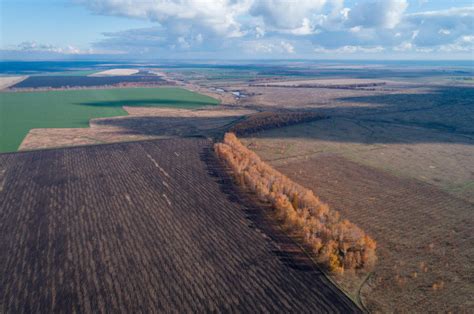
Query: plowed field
[142, 227]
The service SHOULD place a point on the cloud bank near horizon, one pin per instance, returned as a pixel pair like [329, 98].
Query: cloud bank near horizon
[275, 28]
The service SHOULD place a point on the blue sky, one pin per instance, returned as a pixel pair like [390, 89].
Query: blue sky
[237, 29]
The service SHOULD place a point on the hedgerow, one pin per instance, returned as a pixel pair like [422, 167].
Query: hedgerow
[338, 244]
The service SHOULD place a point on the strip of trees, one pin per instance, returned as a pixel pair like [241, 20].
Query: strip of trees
[338, 244]
[270, 120]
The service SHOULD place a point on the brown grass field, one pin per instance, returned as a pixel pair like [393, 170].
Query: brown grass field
[401, 192]
[423, 234]
[151, 226]
[443, 159]
[142, 123]
[400, 164]
[419, 132]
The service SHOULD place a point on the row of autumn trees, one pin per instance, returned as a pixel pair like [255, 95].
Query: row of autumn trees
[338, 244]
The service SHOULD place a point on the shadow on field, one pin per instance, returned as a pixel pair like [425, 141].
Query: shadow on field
[444, 96]
[169, 126]
[440, 115]
[443, 115]
[287, 251]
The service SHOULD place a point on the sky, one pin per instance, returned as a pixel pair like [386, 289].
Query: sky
[237, 29]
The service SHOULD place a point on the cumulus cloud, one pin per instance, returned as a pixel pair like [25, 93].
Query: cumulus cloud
[282, 26]
[287, 47]
[217, 16]
[293, 16]
[268, 47]
[154, 41]
[377, 13]
[404, 46]
[462, 44]
[349, 50]
[440, 27]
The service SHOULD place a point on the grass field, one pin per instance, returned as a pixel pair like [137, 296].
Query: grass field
[21, 112]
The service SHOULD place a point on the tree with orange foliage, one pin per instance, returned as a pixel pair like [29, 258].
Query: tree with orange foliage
[338, 243]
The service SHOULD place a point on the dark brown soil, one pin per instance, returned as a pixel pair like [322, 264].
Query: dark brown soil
[148, 226]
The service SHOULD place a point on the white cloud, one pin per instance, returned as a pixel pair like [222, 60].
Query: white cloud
[287, 15]
[440, 27]
[306, 28]
[258, 47]
[278, 26]
[287, 47]
[443, 31]
[462, 44]
[33, 46]
[259, 32]
[268, 47]
[377, 13]
[349, 50]
[355, 29]
[217, 16]
[404, 46]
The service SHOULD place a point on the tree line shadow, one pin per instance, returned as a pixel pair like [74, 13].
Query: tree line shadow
[439, 115]
[442, 115]
[280, 245]
[168, 126]
[440, 96]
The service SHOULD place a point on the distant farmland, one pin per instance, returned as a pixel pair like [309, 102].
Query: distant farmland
[74, 108]
[60, 81]
[151, 226]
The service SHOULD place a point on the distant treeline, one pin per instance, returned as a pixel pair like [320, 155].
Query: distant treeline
[269, 120]
[330, 86]
[338, 244]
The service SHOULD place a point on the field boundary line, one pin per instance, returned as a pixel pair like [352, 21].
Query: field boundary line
[356, 301]
[272, 224]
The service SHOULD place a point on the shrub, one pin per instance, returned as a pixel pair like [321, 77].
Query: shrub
[339, 244]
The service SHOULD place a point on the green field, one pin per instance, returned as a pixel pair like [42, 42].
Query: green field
[20, 112]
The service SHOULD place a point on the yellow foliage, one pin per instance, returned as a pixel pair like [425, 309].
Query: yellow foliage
[334, 264]
[339, 243]
[294, 200]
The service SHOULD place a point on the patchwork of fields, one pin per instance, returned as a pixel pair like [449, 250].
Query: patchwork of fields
[158, 226]
[21, 112]
[151, 226]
